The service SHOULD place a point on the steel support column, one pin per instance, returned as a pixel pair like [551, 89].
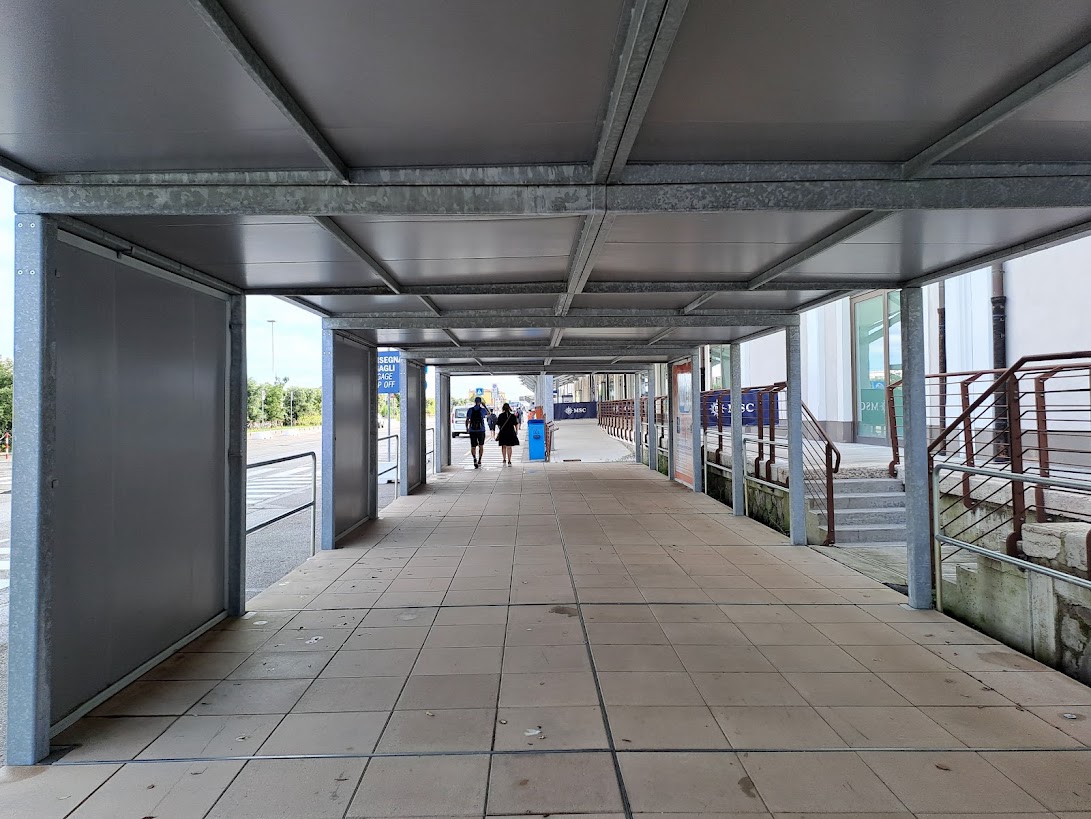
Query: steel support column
[32, 532]
[653, 432]
[668, 417]
[236, 457]
[638, 442]
[918, 534]
[797, 500]
[328, 538]
[371, 403]
[695, 415]
[442, 455]
[403, 428]
[738, 446]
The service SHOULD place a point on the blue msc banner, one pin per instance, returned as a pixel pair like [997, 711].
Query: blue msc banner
[390, 372]
[570, 410]
[749, 409]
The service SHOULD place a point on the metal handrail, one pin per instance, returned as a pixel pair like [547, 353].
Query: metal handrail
[939, 539]
[396, 469]
[313, 505]
[431, 451]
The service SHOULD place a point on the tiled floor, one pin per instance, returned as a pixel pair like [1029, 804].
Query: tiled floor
[578, 639]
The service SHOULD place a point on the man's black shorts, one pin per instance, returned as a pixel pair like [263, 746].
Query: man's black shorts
[477, 438]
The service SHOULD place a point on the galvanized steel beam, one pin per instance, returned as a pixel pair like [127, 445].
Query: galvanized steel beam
[797, 491]
[738, 446]
[652, 27]
[354, 247]
[612, 351]
[17, 173]
[397, 321]
[552, 200]
[1043, 242]
[228, 33]
[594, 230]
[918, 534]
[33, 481]
[1000, 110]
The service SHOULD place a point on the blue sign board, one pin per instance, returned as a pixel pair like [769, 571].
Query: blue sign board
[390, 372]
[715, 404]
[570, 410]
[480, 391]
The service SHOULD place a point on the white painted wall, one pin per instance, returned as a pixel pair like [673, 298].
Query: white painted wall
[763, 360]
[1049, 301]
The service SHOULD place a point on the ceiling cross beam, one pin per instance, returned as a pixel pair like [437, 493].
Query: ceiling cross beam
[228, 33]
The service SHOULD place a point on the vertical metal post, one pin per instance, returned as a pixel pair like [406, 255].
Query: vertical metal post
[236, 457]
[442, 444]
[329, 524]
[33, 477]
[797, 501]
[918, 529]
[547, 397]
[403, 428]
[371, 450]
[638, 435]
[653, 432]
[738, 446]
[672, 398]
[422, 425]
[697, 430]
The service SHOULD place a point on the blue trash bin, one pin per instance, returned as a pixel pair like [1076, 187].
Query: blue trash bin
[536, 440]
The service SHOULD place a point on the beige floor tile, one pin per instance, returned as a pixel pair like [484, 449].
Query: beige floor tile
[862, 597]
[899, 658]
[635, 727]
[350, 694]
[833, 614]
[888, 727]
[742, 596]
[626, 634]
[110, 738]
[819, 782]
[472, 616]
[197, 666]
[944, 633]
[1074, 720]
[775, 727]
[341, 618]
[746, 689]
[987, 658]
[561, 727]
[710, 634]
[382, 638]
[250, 697]
[636, 658]
[701, 783]
[1000, 727]
[165, 790]
[943, 688]
[538, 689]
[863, 634]
[479, 597]
[597, 595]
[742, 658]
[392, 787]
[196, 737]
[272, 789]
[530, 659]
[1034, 688]
[283, 665]
[442, 730]
[231, 640]
[403, 599]
[467, 636]
[648, 688]
[772, 613]
[412, 617]
[545, 634]
[154, 698]
[557, 783]
[352, 600]
[810, 659]
[431, 692]
[936, 782]
[784, 634]
[48, 792]
[336, 733]
[482, 660]
[846, 689]
[1057, 779]
[385, 662]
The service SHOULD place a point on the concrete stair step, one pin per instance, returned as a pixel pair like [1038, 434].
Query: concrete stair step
[870, 534]
[867, 500]
[871, 517]
[860, 485]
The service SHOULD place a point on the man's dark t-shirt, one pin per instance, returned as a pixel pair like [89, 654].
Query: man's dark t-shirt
[476, 416]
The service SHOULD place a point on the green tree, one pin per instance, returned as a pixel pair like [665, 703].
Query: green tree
[253, 401]
[274, 402]
[7, 376]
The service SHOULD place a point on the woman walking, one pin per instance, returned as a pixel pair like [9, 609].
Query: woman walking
[507, 432]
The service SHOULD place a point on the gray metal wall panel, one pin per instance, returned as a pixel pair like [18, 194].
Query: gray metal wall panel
[350, 420]
[140, 510]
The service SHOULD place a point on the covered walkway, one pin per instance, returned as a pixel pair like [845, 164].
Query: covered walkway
[582, 639]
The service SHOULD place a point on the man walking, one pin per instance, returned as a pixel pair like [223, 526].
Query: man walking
[476, 418]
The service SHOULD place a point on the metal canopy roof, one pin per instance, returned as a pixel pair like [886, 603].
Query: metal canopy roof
[583, 184]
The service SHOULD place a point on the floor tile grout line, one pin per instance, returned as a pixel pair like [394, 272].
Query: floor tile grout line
[60, 763]
[626, 805]
[499, 688]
